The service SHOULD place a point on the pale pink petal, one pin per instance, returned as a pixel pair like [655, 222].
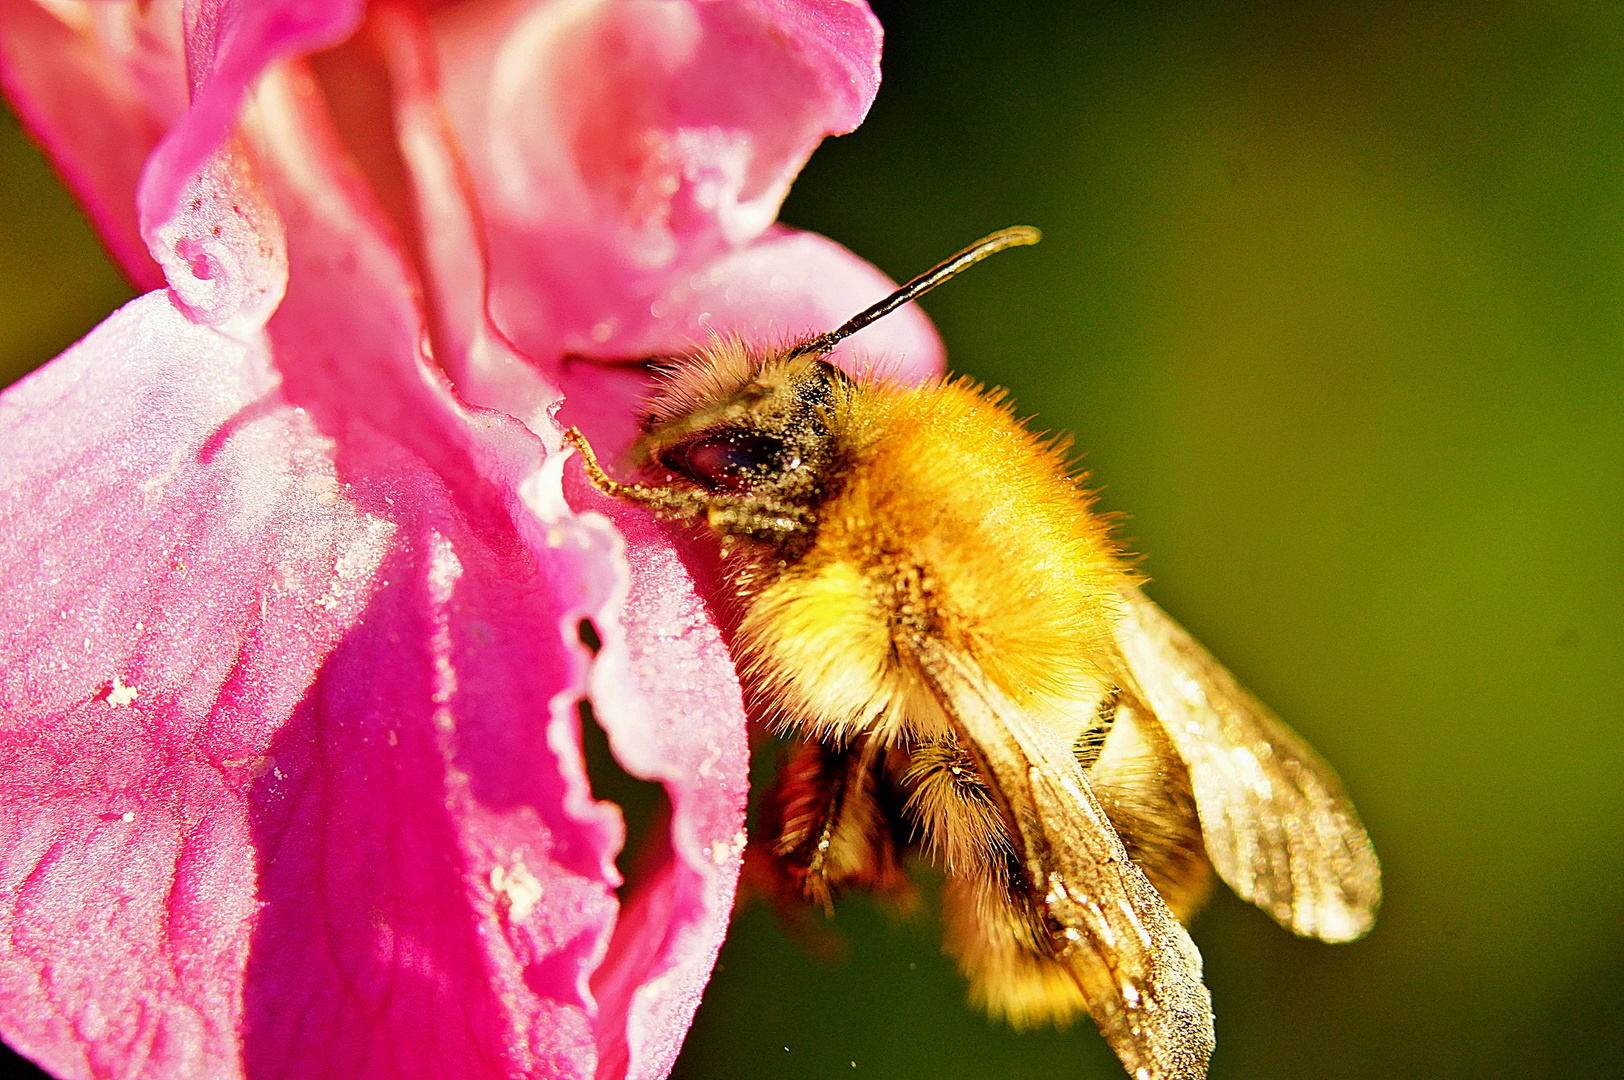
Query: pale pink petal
[104, 86]
[617, 144]
[278, 709]
[785, 286]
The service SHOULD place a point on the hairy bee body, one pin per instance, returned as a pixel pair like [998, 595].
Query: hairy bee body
[949, 520]
[924, 594]
[940, 518]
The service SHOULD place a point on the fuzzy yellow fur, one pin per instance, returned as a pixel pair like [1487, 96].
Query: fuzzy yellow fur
[1001, 953]
[954, 522]
[940, 521]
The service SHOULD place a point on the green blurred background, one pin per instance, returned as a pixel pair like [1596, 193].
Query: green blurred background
[1332, 296]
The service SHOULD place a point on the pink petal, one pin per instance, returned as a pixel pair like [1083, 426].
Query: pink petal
[615, 149]
[409, 829]
[786, 286]
[277, 710]
[104, 86]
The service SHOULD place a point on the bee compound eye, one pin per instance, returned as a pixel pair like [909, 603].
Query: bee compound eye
[728, 462]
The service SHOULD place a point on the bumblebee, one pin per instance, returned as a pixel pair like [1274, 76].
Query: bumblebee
[925, 596]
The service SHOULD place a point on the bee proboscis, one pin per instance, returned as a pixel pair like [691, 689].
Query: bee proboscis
[924, 594]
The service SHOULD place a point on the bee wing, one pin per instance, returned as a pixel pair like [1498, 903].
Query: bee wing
[1278, 826]
[1137, 968]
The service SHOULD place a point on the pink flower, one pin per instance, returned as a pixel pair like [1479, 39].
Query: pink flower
[290, 769]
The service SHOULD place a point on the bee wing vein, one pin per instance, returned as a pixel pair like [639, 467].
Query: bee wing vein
[1136, 966]
[1278, 826]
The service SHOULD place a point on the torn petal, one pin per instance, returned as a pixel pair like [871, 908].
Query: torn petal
[665, 690]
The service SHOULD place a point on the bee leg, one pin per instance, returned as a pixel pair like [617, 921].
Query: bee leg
[830, 829]
[952, 811]
[754, 516]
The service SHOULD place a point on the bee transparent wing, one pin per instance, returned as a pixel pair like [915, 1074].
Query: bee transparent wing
[1277, 824]
[1138, 970]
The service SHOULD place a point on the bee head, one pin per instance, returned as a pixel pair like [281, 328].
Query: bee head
[751, 439]
[733, 420]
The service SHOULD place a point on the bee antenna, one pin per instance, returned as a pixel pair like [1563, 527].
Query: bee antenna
[1014, 236]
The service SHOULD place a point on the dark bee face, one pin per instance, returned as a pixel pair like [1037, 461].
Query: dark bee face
[764, 434]
[730, 461]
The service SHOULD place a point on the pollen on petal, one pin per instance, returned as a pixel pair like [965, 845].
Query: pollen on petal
[120, 695]
[517, 889]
